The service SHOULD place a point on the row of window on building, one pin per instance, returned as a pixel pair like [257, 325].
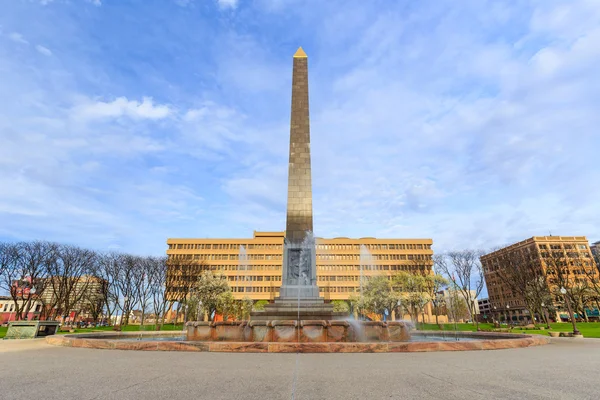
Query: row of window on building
[262, 246]
[278, 257]
[223, 257]
[379, 257]
[272, 289]
[255, 289]
[371, 267]
[375, 247]
[224, 246]
[278, 267]
[565, 246]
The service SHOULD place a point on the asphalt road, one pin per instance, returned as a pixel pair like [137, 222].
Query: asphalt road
[566, 369]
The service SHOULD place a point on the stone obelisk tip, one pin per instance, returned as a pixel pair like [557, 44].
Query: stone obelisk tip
[300, 53]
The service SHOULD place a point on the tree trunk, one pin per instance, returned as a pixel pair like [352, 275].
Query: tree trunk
[532, 315]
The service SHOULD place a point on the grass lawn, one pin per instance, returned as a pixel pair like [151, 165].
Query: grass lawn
[129, 328]
[588, 330]
[450, 327]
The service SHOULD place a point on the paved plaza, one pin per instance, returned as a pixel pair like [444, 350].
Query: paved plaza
[565, 369]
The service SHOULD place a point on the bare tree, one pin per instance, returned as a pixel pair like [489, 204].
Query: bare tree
[463, 269]
[588, 267]
[109, 269]
[25, 278]
[71, 278]
[127, 283]
[564, 265]
[144, 275]
[521, 271]
[9, 256]
[182, 276]
[158, 270]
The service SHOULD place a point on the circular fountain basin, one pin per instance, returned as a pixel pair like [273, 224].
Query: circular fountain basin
[421, 341]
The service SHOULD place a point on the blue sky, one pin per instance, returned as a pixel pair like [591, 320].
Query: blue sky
[124, 122]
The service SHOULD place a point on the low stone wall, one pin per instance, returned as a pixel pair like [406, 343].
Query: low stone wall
[304, 331]
[486, 341]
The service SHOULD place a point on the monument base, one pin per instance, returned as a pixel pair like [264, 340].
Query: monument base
[298, 303]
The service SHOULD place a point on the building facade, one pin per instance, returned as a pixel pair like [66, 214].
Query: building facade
[542, 251]
[87, 296]
[253, 266]
[8, 312]
[485, 308]
[455, 304]
[595, 247]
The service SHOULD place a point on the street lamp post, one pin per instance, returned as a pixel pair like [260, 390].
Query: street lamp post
[495, 314]
[563, 291]
[507, 314]
[546, 315]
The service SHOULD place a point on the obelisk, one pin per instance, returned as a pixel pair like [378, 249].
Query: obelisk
[299, 276]
[299, 218]
[299, 294]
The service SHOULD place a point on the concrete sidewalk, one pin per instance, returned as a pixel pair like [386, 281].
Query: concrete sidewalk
[566, 369]
[13, 345]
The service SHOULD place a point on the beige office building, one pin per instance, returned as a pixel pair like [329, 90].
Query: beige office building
[256, 273]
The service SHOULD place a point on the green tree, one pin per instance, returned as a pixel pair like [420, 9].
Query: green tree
[356, 303]
[243, 308]
[433, 285]
[340, 306]
[226, 305]
[378, 295]
[211, 290]
[195, 312]
[260, 305]
[413, 293]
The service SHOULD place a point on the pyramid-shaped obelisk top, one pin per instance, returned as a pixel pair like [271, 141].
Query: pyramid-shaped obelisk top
[300, 53]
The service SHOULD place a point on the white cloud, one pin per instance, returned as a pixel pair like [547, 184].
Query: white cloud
[438, 120]
[17, 37]
[227, 4]
[43, 50]
[123, 107]
[97, 3]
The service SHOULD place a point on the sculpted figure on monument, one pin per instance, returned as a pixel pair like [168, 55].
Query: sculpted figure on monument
[305, 261]
[294, 264]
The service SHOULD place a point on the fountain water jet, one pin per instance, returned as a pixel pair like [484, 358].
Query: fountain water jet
[242, 266]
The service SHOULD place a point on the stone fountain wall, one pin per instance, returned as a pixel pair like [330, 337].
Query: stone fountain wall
[303, 331]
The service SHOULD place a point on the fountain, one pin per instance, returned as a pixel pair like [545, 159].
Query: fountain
[299, 320]
[299, 331]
